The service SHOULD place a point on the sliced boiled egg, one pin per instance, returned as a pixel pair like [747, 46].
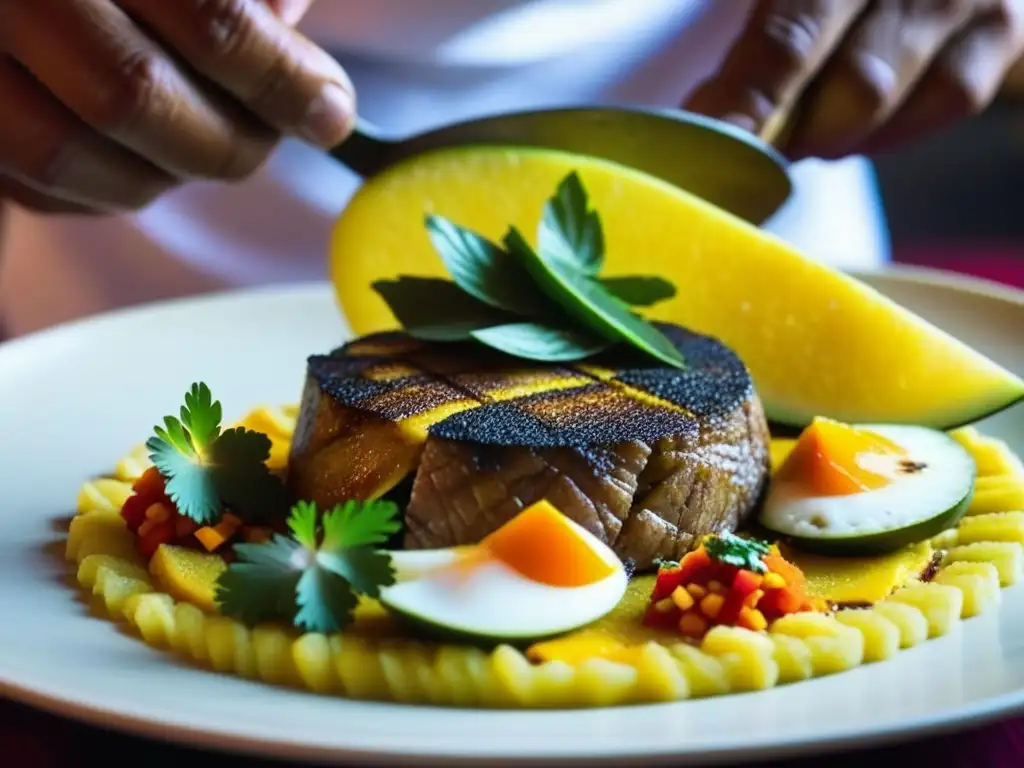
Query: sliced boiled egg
[537, 576]
[868, 489]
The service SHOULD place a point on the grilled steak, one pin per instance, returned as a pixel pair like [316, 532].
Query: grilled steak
[646, 458]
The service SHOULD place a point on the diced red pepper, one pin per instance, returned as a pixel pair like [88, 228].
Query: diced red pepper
[161, 533]
[148, 489]
[666, 583]
[724, 594]
[746, 582]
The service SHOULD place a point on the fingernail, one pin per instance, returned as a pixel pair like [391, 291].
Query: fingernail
[329, 118]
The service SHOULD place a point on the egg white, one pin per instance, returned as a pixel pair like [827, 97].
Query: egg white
[948, 477]
[488, 598]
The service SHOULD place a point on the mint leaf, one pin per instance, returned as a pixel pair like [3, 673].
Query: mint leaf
[432, 309]
[590, 304]
[534, 341]
[482, 269]
[639, 291]
[568, 230]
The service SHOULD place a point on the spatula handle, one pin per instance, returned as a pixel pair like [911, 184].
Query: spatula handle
[365, 150]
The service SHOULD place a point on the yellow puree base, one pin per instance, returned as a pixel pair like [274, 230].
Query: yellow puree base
[616, 661]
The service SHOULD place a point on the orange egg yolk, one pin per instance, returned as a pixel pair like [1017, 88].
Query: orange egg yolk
[825, 460]
[542, 545]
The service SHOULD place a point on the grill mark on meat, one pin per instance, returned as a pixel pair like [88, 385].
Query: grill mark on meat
[646, 458]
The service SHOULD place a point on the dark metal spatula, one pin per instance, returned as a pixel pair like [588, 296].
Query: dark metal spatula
[716, 161]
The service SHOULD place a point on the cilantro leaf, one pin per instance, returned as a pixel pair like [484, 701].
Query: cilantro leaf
[311, 580]
[737, 551]
[254, 594]
[201, 416]
[359, 524]
[570, 231]
[188, 483]
[207, 469]
[325, 601]
[303, 524]
[241, 477]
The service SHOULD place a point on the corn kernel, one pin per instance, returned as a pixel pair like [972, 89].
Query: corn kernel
[753, 598]
[696, 591]
[682, 599]
[773, 580]
[665, 604]
[716, 587]
[693, 625]
[711, 605]
[752, 619]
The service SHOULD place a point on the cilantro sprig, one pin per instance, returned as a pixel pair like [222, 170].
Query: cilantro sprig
[544, 303]
[314, 577]
[208, 469]
[730, 549]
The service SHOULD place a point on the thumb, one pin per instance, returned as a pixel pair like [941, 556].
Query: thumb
[290, 11]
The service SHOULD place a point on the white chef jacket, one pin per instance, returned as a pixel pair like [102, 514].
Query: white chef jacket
[415, 64]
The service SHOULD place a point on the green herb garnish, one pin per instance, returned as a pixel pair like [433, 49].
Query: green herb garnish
[546, 303]
[730, 549]
[207, 469]
[314, 577]
[570, 230]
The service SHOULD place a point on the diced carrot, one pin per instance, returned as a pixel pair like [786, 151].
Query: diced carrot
[215, 536]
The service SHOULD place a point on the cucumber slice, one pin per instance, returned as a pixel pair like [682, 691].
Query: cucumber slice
[918, 504]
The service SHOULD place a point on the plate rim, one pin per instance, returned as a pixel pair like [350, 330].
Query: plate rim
[78, 709]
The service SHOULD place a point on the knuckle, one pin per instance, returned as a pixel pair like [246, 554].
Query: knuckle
[242, 159]
[790, 41]
[871, 82]
[133, 91]
[964, 94]
[221, 26]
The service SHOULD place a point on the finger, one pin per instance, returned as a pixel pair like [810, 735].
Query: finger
[50, 150]
[34, 200]
[290, 11]
[781, 48]
[97, 62]
[250, 52]
[961, 82]
[872, 72]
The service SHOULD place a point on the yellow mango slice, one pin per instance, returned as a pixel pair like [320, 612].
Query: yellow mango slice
[817, 341]
[188, 574]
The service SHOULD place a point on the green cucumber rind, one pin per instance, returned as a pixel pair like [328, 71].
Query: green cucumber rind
[430, 629]
[883, 542]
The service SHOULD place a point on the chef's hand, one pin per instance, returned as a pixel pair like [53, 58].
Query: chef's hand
[883, 71]
[106, 104]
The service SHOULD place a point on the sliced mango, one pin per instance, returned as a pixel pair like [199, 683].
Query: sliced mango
[818, 342]
[188, 574]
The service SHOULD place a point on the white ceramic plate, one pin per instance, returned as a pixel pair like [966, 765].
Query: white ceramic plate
[75, 399]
